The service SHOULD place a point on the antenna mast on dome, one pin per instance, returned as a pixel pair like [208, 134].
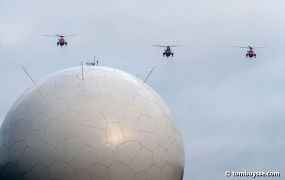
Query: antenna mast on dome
[148, 74]
[82, 71]
[95, 63]
[31, 79]
[29, 75]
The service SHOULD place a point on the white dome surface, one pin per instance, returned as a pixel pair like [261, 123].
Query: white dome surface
[109, 126]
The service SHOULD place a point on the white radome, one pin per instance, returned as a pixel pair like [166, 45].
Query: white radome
[109, 126]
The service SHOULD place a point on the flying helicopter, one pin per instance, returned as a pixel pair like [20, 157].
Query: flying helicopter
[167, 52]
[61, 41]
[250, 50]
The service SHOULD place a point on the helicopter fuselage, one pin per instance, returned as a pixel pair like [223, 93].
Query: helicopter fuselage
[167, 52]
[61, 41]
[250, 53]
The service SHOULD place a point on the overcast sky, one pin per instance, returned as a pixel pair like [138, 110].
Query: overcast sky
[230, 110]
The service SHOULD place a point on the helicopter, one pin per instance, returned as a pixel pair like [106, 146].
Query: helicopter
[61, 41]
[167, 52]
[250, 50]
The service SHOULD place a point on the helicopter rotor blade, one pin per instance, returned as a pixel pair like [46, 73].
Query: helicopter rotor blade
[241, 47]
[178, 45]
[50, 35]
[71, 35]
[259, 47]
[170, 46]
[159, 45]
